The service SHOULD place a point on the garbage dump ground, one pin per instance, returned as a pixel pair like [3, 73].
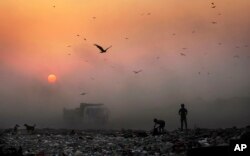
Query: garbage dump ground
[111, 142]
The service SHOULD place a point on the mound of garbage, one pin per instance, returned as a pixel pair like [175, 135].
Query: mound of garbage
[112, 142]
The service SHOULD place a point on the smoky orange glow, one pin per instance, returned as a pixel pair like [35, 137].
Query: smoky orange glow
[52, 78]
[63, 32]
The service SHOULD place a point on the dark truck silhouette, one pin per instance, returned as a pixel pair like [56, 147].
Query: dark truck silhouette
[87, 114]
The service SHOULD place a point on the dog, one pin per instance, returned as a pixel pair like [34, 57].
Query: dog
[30, 128]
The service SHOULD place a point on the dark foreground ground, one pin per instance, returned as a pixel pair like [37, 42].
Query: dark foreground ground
[111, 142]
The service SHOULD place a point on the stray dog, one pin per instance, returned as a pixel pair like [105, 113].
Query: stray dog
[15, 129]
[30, 128]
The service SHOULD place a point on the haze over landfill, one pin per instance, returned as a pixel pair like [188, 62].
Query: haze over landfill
[163, 53]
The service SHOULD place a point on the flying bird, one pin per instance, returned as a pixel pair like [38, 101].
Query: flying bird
[102, 50]
[214, 22]
[137, 71]
[182, 54]
[83, 93]
[236, 56]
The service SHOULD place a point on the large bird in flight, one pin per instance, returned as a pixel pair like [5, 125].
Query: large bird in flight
[182, 54]
[102, 50]
[83, 93]
[137, 71]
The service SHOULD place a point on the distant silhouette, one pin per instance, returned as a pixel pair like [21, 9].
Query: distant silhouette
[137, 71]
[183, 114]
[15, 129]
[72, 132]
[102, 50]
[83, 93]
[214, 22]
[182, 54]
[30, 128]
[160, 124]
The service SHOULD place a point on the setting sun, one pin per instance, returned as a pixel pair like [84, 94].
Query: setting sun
[52, 78]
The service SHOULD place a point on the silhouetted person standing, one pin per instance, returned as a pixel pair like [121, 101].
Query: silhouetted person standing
[183, 114]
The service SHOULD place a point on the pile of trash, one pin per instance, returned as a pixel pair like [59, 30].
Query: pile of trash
[112, 142]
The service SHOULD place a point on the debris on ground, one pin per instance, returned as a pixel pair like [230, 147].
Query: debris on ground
[112, 142]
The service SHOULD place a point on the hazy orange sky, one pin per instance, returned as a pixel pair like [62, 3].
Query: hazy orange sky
[41, 37]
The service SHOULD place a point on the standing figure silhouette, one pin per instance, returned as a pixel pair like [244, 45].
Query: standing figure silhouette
[183, 114]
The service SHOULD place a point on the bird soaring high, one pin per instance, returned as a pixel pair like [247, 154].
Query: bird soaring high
[83, 93]
[102, 50]
[137, 71]
[182, 54]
